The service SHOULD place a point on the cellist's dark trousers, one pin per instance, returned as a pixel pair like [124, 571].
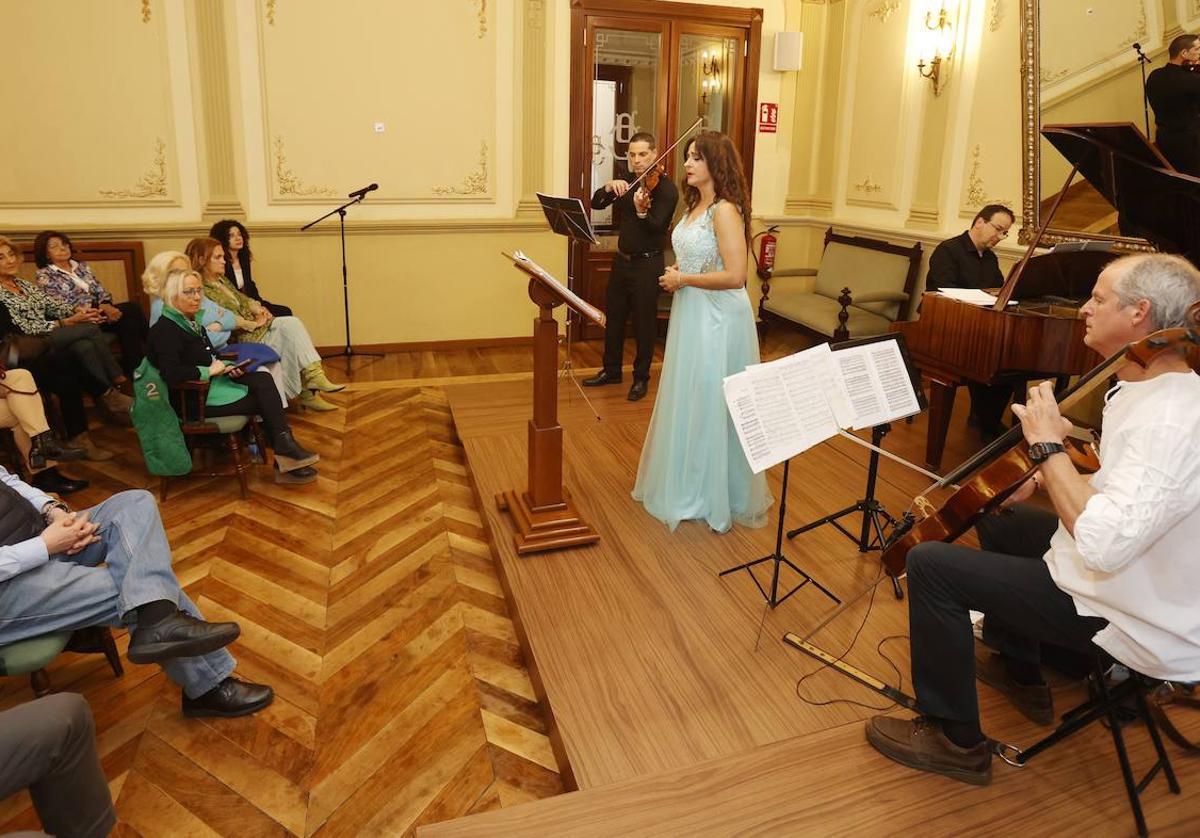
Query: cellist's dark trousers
[1009, 582]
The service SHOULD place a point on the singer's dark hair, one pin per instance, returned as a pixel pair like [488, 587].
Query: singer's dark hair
[220, 231]
[989, 212]
[728, 175]
[41, 246]
[644, 137]
[1181, 43]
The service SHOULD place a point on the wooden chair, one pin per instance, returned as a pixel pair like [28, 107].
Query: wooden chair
[861, 287]
[196, 425]
[33, 655]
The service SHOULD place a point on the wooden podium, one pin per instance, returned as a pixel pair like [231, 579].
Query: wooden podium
[544, 516]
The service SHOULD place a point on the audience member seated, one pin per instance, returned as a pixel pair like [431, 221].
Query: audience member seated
[236, 241]
[75, 284]
[22, 412]
[35, 314]
[181, 351]
[219, 322]
[303, 374]
[111, 565]
[49, 746]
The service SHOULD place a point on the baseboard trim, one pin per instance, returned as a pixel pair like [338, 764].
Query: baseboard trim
[432, 345]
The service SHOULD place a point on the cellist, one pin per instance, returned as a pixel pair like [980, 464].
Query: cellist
[1114, 566]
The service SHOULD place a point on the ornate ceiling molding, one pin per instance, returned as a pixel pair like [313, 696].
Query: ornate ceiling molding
[474, 183]
[996, 15]
[153, 184]
[287, 184]
[145, 11]
[270, 12]
[1138, 34]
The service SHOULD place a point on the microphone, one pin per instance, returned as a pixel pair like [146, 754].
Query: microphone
[1138, 49]
[362, 193]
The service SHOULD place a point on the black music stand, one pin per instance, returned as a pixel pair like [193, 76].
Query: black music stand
[875, 518]
[773, 598]
[567, 217]
[348, 352]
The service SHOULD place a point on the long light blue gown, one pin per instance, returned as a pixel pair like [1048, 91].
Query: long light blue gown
[692, 466]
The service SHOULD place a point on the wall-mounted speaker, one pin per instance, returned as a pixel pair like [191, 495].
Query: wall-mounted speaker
[789, 48]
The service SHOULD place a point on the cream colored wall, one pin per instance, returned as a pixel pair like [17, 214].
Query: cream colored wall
[266, 113]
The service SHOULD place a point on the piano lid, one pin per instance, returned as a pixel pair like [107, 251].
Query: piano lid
[1068, 275]
[1152, 200]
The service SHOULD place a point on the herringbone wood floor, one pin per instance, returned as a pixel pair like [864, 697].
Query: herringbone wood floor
[369, 601]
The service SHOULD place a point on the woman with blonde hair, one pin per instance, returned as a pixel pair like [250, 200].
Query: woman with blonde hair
[303, 375]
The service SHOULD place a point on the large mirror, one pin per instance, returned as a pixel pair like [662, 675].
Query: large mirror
[1079, 65]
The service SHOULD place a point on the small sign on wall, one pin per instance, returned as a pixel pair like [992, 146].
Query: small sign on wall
[768, 117]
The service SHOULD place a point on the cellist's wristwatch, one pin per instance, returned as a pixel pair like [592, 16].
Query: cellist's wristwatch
[1039, 452]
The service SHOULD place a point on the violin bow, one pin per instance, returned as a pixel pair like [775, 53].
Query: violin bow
[670, 148]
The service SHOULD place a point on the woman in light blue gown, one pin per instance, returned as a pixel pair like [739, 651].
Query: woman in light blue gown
[692, 466]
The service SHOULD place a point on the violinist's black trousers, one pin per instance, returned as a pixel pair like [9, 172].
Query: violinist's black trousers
[1009, 582]
[632, 288]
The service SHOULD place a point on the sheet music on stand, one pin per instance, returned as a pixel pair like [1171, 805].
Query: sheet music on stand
[784, 407]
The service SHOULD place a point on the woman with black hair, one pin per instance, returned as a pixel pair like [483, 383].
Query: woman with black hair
[236, 241]
[74, 283]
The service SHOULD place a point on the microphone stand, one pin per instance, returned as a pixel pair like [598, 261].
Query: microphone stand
[348, 351]
[1142, 62]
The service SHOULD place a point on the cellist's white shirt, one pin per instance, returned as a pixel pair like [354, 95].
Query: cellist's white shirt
[1135, 557]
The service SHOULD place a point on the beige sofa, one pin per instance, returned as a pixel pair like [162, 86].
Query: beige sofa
[861, 287]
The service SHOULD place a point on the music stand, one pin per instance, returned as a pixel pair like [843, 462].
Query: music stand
[568, 217]
[875, 518]
[348, 352]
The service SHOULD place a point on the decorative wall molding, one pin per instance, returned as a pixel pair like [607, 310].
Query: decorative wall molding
[270, 12]
[1138, 34]
[286, 182]
[975, 193]
[996, 15]
[868, 186]
[1049, 76]
[145, 11]
[884, 11]
[153, 184]
[481, 15]
[474, 183]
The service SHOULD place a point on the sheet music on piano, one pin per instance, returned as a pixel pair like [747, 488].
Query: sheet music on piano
[784, 407]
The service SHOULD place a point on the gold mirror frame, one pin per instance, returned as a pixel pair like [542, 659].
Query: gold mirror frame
[1031, 103]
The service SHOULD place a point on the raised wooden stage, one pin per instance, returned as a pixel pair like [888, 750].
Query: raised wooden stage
[674, 700]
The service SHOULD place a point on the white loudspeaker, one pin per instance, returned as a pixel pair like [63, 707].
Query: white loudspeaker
[789, 47]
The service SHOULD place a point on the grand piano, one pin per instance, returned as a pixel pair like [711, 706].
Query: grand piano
[1041, 336]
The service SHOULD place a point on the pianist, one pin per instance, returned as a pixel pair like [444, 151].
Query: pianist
[967, 261]
[1113, 567]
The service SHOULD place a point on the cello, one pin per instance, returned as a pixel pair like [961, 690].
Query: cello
[1000, 468]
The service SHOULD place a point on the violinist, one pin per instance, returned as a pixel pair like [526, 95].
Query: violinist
[1174, 94]
[1110, 573]
[644, 214]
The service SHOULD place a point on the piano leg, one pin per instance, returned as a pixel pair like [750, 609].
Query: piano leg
[941, 406]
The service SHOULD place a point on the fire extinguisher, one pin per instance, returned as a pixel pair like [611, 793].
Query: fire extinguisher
[764, 256]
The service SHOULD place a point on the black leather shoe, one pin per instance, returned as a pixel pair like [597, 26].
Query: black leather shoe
[604, 377]
[228, 699]
[179, 636]
[637, 390]
[51, 480]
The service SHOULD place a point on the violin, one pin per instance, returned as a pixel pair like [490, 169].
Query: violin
[650, 180]
[1007, 459]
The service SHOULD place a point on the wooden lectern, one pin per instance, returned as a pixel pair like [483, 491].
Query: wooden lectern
[544, 516]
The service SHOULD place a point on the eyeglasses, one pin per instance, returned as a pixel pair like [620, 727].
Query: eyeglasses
[1002, 232]
[191, 292]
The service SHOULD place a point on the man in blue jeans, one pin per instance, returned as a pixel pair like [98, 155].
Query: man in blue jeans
[50, 581]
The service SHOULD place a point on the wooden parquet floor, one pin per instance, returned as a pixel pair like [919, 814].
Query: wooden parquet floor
[369, 600]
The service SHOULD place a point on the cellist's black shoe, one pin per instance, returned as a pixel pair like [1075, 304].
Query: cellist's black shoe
[637, 390]
[604, 377]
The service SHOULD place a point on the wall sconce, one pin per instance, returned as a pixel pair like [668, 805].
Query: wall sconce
[708, 86]
[708, 63]
[937, 47]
